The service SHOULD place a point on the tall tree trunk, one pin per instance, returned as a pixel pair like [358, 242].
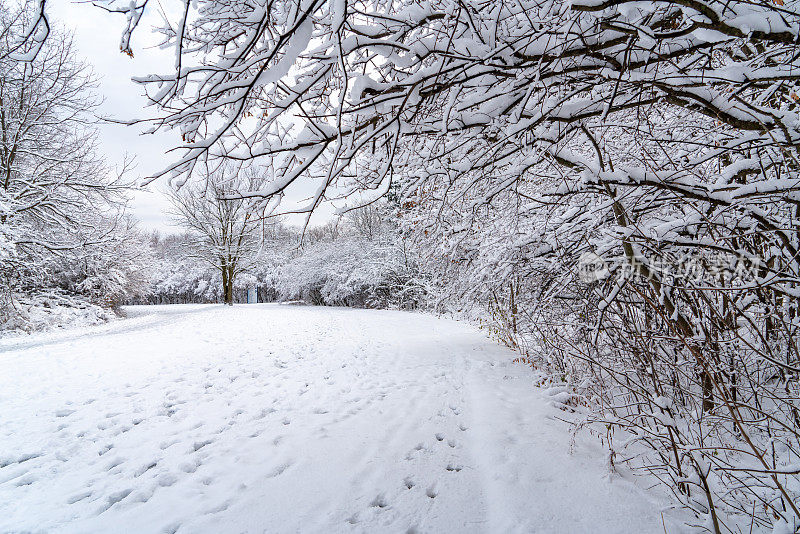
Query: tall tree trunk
[227, 293]
[229, 286]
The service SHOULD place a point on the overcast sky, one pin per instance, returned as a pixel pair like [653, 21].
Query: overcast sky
[97, 36]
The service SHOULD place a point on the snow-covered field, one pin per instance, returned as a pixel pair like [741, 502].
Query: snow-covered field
[268, 418]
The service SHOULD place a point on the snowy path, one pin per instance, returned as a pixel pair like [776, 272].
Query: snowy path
[274, 418]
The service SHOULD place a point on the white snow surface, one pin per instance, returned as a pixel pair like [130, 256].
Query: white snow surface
[269, 418]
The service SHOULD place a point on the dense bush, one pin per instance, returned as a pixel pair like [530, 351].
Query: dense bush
[344, 263]
[363, 264]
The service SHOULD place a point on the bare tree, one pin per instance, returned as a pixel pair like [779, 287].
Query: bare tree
[227, 230]
[58, 201]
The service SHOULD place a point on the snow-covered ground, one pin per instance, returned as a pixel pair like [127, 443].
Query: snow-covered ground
[268, 418]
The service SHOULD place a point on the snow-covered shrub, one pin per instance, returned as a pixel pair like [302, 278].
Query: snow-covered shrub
[54, 308]
[175, 278]
[363, 262]
[78, 282]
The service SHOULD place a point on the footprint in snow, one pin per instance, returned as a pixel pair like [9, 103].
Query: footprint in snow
[200, 444]
[279, 470]
[142, 495]
[265, 412]
[5, 462]
[219, 508]
[120, 430]
[432, 492]
[116, 462]
[26, 480]
[145, 468]
[114, 498]
[79, 497]
[379, 501]
[166, 444]
[189, 467]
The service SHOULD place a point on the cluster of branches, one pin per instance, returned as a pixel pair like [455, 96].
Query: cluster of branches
[62, 220]
[525, 134]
